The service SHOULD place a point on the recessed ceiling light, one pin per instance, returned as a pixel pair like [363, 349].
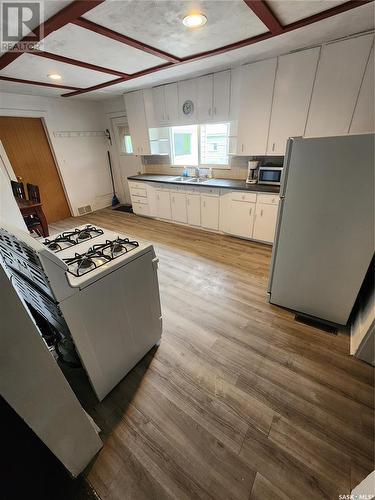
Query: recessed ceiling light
[194, 20]
[54, 76]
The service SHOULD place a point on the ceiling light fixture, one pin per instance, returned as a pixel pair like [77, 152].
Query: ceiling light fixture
[54, 76]
[194, 20]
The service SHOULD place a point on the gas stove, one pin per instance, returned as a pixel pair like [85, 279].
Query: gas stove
[71, 238]
[95, 287]
[98, 255]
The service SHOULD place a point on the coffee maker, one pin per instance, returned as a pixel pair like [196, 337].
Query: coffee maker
[252, 172]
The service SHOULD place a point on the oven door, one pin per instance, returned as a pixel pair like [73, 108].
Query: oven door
[270, 175]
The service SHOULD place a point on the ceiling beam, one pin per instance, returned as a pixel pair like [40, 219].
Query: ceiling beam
[338, 9]
[40, 84]
[351, 4]
[64, 16]
[265, 14]
[81, 64]
[119, 37]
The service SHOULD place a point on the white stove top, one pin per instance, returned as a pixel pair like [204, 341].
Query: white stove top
[89, 259]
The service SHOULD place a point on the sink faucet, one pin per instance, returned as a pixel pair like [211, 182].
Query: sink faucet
[197, 172]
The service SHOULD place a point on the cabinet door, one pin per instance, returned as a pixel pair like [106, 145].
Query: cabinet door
[293, 87]
[187, 91]
[171, 103]
[204, 100]
[221, 96]
[242, 218]
[178, 207]
[163, 205]
[265, 222]
[363, 118]
[210, 212]
[136, 114]
[339, 75]
[255, 107]
[159, 105]
[193, 209]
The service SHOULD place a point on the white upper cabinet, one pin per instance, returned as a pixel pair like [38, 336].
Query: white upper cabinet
[221, 96]
[214, 97]
[339, 75]
[138, 126]
[257, 82]
[165, 104]
[159, 105]
[293, 86]
[363, 118]
[205, 98]
[187, 101]
[171, 103]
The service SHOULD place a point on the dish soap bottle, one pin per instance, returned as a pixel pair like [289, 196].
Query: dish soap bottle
[210, 173]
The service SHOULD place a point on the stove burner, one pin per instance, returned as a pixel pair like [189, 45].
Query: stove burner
[117, 247]
[83, 235]
[70, 238]
[85, 263]
[54, 246]
[98, 255]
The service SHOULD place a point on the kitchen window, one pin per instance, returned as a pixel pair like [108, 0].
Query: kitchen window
[214, 144]
[200, 145]
[184, 140]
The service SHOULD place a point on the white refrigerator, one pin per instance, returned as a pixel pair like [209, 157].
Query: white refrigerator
[325, 230]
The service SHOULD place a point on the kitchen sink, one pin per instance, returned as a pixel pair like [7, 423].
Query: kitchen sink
[182, 179]
[195, 180]
[198, 180]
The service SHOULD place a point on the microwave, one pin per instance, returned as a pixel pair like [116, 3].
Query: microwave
[269, 175]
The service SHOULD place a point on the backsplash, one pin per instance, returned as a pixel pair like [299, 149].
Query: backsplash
[237, 168]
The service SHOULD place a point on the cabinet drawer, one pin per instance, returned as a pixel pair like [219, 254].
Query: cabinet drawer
[140, 208]
[269, 199]
[138, 192]
[210, 191]
[241, 196]
[139, 199]
[137, 185]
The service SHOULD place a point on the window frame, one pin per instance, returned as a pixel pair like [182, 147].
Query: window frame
[117, 123]
[223, 166]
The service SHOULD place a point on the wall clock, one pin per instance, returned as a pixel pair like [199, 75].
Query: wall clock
[188, 108]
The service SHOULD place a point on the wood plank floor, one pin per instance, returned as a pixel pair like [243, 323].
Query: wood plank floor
[239, 401]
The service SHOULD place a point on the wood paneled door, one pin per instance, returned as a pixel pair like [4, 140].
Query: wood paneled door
[29, 153]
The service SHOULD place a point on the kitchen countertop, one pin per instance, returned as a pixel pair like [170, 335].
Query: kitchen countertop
[219, 183]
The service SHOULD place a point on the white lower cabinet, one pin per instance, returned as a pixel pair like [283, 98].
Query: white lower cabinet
[193, 202]
[163, 204]
[178, 207]
[265, 222]
[210, 211]
[239, 213]
[242, 218]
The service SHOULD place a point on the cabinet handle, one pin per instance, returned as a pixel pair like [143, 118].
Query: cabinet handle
[261, 213]
[209, 111]
[273, 147]
[158, 197]
[172, 199]
[204, 204]
[188, 202]
[214, 110]
[242, 148]
[250, 211]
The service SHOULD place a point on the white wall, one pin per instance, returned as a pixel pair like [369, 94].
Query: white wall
[82, 161]
[123, 165]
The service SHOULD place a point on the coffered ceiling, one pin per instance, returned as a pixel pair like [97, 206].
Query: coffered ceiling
[104, 48]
